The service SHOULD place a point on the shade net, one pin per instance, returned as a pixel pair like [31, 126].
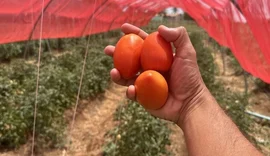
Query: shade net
[244, 28]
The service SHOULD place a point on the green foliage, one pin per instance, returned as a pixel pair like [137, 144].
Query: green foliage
[58, 86]
[22, 49]
[10, 50]
[204, 58]
[18, 103]
[100, 74]
[138, 133]
[13, 129]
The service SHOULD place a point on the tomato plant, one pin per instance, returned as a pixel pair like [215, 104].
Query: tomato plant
[58, 86]
[138, 133]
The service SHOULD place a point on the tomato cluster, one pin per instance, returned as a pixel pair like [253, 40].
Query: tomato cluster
[152, 56]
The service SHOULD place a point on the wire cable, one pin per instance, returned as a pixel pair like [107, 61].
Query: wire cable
[37, 82]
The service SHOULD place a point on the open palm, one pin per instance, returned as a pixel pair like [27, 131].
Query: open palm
[184, 79]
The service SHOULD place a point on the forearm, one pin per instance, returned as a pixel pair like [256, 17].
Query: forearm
[209, 131]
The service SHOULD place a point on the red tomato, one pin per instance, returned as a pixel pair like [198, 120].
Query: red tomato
[156, 53]
[151, 89]
[126, 56]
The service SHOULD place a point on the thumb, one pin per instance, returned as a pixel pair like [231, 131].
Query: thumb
[180, 39]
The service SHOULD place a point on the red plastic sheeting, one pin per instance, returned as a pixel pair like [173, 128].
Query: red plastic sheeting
[247, 34]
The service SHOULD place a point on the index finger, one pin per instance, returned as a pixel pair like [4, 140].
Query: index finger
[128, 28]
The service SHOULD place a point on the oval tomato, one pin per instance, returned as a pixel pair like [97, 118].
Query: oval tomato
[156, 53]
[126, 56]
[151, 89]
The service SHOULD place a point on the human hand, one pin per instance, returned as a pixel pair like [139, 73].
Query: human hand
[186, 86]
